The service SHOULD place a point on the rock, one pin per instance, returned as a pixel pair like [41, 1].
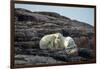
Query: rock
[34, 25]
[30, 27]
[20, 62]
[27, 44]
[18, 50]
[76, 59]
[39, 56]
[86, 53]
[36, 60]
[84, 41]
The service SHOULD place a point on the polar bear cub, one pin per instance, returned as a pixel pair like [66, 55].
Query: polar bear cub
[70, 46]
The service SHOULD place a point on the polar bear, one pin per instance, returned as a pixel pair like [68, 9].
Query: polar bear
[70, 46]
[52, 41]
[58, 41]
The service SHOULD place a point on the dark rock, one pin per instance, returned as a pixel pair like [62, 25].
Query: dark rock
[76, 59]
[18, 50]
[86, 53]
[30, 59]
[30, 27]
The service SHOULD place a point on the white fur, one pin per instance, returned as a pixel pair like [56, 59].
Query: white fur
[70, 45]
[52, 41]
[58, 41]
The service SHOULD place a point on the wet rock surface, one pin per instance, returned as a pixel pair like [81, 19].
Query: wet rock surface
[30, 27]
